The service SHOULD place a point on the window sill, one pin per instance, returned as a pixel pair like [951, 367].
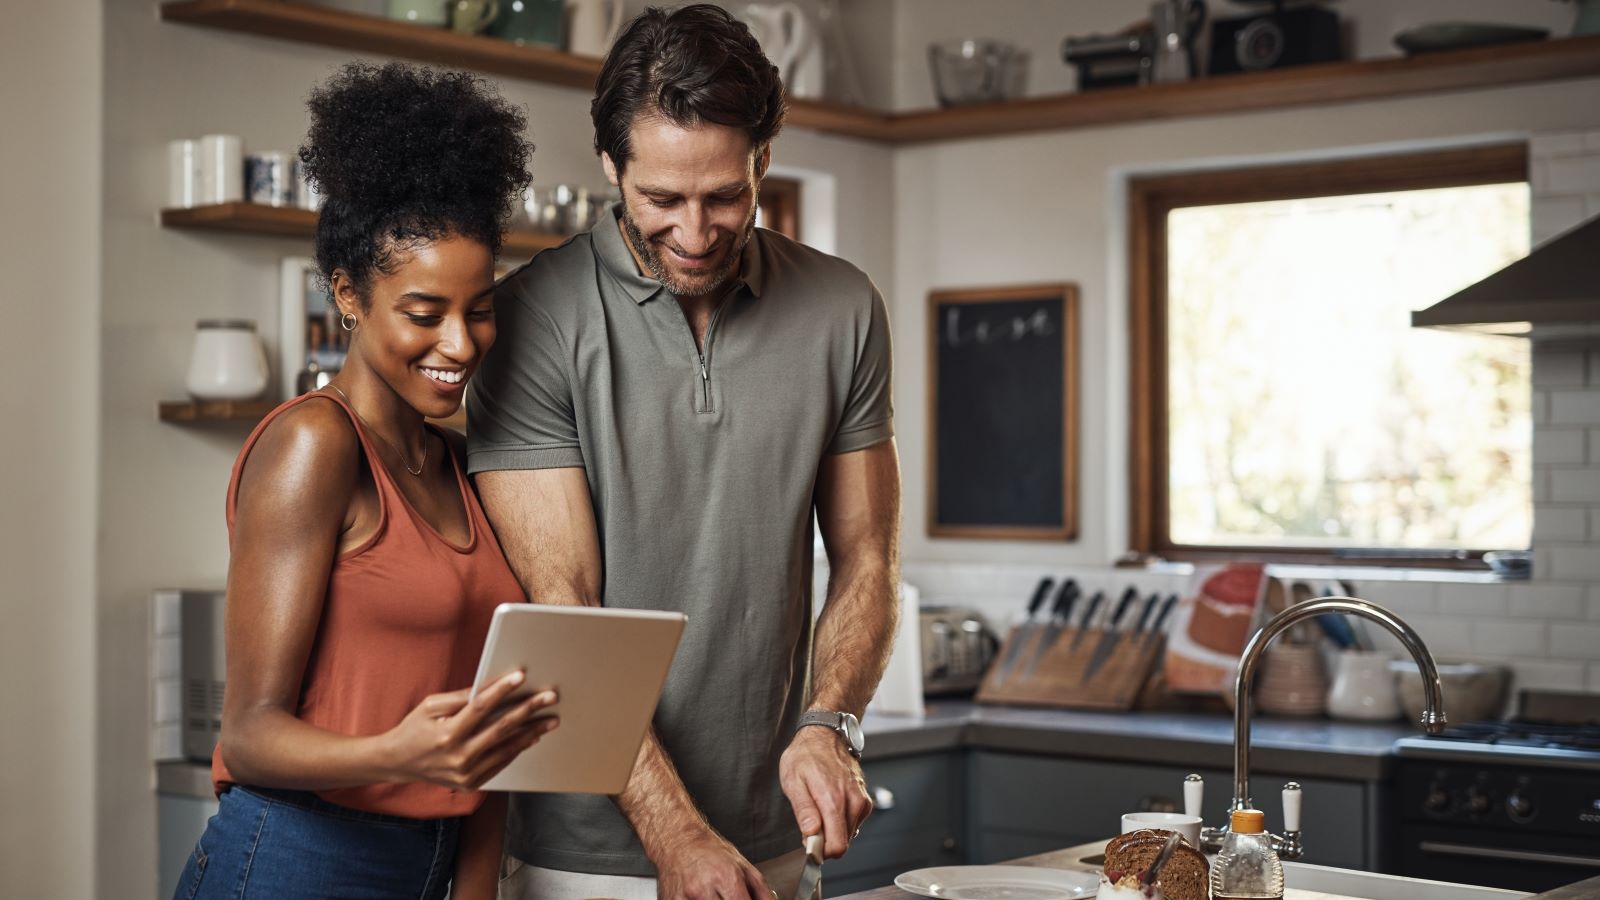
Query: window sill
[1319, 572]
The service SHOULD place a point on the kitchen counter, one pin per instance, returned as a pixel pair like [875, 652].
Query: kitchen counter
[1348, 750]
[1344, 750]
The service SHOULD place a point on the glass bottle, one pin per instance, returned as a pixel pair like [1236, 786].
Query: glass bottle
[1246, 868]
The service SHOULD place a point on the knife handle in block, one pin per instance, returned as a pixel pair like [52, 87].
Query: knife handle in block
[1194, 790]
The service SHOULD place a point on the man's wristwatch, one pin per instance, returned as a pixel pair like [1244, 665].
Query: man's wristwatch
[846, 725]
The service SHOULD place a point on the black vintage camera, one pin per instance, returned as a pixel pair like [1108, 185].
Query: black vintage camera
[1284, 37]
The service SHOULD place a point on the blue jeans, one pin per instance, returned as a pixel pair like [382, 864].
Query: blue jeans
[293, 844]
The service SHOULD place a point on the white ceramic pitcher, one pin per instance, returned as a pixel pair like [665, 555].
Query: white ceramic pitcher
[592, 25]
[783, 33]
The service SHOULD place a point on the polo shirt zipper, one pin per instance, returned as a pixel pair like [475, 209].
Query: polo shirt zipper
[701, 354]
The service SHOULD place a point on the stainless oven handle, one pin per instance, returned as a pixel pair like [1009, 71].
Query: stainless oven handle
[1518, 855]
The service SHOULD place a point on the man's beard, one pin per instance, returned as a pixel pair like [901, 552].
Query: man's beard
[658, 267]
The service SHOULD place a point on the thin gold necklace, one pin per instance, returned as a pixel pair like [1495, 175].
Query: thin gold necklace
[398, 452]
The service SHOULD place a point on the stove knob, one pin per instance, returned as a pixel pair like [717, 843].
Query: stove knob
[1477, 801]
[1518, 807]
[1438, 801]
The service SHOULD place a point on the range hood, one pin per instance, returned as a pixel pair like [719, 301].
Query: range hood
[1552, 294]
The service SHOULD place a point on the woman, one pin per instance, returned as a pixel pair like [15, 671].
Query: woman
[363, 573]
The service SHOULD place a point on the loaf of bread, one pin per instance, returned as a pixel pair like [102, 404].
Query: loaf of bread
[1186, 876]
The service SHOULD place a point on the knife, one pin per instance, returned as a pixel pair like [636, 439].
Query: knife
[812, 873]
[1102, 651]
[1060, 612]
[1160, 624]
[1088, 618]
[1024, 631]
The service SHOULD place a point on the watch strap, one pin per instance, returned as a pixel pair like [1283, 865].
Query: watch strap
[832, 720]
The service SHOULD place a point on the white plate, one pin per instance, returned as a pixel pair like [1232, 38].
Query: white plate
[999, 883]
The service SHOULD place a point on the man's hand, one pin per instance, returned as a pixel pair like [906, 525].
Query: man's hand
[824, 785]
[704, 866]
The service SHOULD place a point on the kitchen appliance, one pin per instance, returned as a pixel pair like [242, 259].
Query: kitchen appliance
[1513, 804]
[201, 670]
[1286, 36]
[957, 647]
[1110, 60]
[1176, 23]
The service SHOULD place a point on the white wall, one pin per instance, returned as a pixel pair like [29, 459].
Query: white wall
[50, 73]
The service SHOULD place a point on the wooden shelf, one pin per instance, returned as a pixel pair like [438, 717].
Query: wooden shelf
[215, 412]
[1451, 70]
[249, 412]
[290, 221]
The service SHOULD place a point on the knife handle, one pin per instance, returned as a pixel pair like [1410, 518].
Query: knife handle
[1068, 595]
[1039, 593]
[1144, 614]
[1123, 606]
[1094, 607]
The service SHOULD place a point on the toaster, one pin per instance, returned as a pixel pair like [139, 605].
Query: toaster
[201, 670]
[957, 646]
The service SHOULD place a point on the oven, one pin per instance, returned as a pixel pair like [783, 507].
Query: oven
[1499, 804]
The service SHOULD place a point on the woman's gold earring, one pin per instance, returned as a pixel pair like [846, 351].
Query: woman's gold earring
[348, 321]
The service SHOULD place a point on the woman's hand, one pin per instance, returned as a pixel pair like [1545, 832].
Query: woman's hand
[450, 741]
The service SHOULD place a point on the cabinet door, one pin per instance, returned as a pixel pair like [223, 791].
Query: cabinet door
[913, 826]
[1030, 804]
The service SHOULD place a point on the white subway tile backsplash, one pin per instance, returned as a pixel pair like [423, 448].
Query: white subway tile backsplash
[164, 613]
[1575, 485]
[1594, 677]
[1560, 524]
[1594, 446]
[1550, 217]
[1444, 635]
[1591, 139]
[1594, 368]
[1594, 525]
[1560, 446]
[1558, 369]
[1575, 640]
[1594, 602]
[1555, 675]
[1515, 639]
[1472, 600]
[1568, 407]
[1572, 174]
[1539, 407]
[166, 700]
[1559, 143]
[1548, 601]
[1404, 597]
[167, 658]
[1574, 562]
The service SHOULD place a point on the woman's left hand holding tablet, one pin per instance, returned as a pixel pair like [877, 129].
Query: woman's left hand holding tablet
[450, 740]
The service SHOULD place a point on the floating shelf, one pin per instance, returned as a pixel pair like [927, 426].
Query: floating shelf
[290, 221]
[215, 412]
[1451, 70]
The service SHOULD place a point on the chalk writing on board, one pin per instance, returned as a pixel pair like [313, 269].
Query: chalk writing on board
[1010, 328]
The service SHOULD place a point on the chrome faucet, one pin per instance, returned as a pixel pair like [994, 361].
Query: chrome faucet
[1288, 845]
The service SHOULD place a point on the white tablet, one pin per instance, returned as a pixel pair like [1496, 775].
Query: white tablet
[607, 667]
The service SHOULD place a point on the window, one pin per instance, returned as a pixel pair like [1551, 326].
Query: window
[1282, 403]
[778, 207]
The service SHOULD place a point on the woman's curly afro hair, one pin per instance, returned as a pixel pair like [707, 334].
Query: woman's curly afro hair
[403, 154]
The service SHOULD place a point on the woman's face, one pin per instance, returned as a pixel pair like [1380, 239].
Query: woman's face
[428, 323]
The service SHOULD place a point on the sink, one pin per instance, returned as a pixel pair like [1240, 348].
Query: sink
[1314, 880]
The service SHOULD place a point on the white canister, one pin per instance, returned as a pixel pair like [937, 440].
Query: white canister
[1363, 688]
[183, 174]
[227, 362]
[221, 168]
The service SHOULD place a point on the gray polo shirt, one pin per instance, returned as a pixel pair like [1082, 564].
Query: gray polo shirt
[702, 473]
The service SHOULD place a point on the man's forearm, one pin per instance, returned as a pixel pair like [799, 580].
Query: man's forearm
[656, 803]
[855, 634]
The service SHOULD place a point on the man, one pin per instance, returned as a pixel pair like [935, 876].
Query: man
[672, 395]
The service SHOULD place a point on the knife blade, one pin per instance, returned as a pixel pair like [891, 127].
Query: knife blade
[1102, 651]
[1024, 631]
[812, 873]
[1160, 624]
[1095, 603]
[1060, 613]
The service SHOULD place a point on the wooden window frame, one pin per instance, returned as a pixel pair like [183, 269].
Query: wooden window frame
[1150, 199]
[780, 205]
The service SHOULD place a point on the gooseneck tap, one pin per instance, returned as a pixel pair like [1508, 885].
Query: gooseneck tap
[1433, 718]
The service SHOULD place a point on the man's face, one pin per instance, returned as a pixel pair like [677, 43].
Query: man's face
[688, 201]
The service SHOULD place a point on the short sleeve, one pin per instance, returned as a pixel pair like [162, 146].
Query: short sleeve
[869, 409]
[519, 404]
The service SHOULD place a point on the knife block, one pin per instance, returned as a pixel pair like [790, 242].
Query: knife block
[1058, 680]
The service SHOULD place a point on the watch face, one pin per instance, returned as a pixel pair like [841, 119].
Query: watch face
[852, 731]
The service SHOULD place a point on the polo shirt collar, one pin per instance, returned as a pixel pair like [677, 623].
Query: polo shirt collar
[612, 251]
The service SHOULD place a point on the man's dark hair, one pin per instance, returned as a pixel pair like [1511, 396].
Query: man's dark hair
[689, 65]
[403, 154]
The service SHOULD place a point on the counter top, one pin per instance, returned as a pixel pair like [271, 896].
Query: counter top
[1349, 750]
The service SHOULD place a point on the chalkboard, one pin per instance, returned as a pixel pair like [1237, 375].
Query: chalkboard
[1002, 413]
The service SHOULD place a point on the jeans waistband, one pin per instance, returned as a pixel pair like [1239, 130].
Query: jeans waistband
[310, 802]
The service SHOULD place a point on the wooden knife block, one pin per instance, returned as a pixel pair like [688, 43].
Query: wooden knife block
[1058, 679]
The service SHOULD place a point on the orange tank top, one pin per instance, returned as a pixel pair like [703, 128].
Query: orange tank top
[405, 615]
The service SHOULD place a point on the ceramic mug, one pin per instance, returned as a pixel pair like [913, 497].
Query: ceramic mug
[419, 12]
[472, 16]
[1188, 826]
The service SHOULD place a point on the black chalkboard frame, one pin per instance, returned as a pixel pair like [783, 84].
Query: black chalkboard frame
[1066, 294]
